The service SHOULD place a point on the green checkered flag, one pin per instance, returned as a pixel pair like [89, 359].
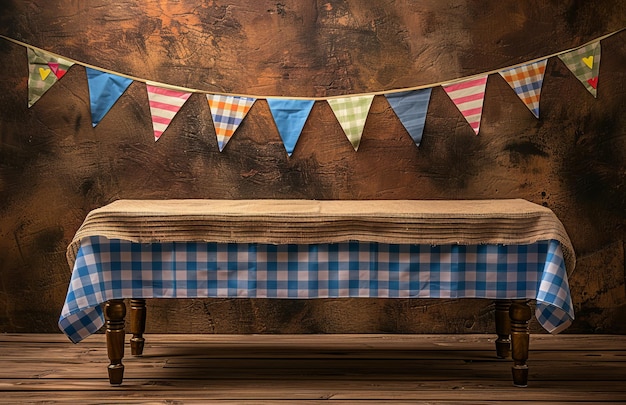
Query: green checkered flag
[351, 112]
[44, 70]
[584, 62]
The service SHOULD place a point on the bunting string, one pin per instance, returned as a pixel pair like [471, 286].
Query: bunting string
[290, 114]
[374, 93]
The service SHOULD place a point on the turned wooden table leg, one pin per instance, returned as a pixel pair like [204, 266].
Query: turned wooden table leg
[137, 325]
[520, 338]
[114, 312]
[503, 329]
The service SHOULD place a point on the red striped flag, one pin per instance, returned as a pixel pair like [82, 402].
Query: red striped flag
[468, 96]
[164, 104]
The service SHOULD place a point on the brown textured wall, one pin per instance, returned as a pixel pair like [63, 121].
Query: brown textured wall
[54, 167]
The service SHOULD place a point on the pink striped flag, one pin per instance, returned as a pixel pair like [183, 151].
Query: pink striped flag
[468, 96]
[164, 104]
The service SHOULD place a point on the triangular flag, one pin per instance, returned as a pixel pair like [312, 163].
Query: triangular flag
[104, 90]
[39, 69]
[526, 81]
[351, 112]
[290, 117]
[468, 96]
[584, 63]
[411, 108]
[164, 104]
[228, 112]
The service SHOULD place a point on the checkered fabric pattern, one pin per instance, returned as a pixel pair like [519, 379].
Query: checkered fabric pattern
[584, 63]
[42, 76]
[113, 269]
[526, 80]
[351, 112]
[228, 112]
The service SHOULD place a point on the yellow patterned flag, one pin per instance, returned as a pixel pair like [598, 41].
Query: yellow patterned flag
[584, 63]
[44, 70]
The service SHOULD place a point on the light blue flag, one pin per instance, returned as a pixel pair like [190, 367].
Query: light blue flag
[290, 117]
[104, 90]
[411, 107]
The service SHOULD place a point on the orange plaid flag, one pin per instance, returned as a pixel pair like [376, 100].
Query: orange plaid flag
[228, 112]
[527, 80]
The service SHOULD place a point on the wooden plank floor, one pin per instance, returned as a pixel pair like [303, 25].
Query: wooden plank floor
[310, 369]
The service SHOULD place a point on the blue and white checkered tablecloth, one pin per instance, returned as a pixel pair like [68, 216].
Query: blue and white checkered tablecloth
[113, 269]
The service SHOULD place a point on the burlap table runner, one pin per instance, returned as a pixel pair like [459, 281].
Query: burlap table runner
[434, 222]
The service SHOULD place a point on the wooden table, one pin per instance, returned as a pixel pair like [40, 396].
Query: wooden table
[507, 250]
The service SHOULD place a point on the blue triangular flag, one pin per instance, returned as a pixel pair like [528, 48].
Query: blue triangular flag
[104, 90]
[411, 107]
[290, 117]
